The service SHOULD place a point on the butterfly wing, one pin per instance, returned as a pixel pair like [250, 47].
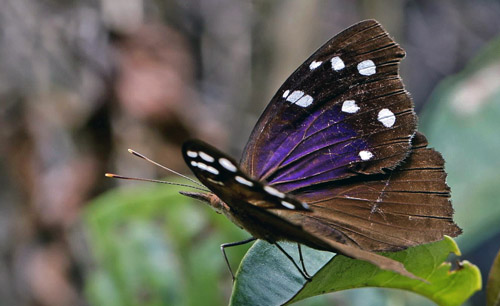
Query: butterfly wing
[323, 164]
[256, 207]
[331, 145]
[344, 111]
[408, 206]
[221, 175]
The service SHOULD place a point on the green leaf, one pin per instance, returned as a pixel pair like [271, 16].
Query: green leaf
[267, 277]
[493, 287]
[136, 261]
[151, 247]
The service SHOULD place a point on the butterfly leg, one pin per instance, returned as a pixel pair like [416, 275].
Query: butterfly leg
[302, 261]
[304, 274]
[227, 245]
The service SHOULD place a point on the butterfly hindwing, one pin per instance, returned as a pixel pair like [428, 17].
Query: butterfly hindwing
[344, 111]
[386, 212]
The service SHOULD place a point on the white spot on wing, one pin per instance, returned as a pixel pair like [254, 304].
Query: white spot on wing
[286, 93]
[228, 165]
[274, 192]
[207, 157]
[305, 101]
[288, 205]
[365, 155]
[349, 106]
[386, 117]
[192, 154]
[337, 63]
[295, 96]
[367, 67]
[243, 181]
[315, 65]
[212, 170]
[204, 167]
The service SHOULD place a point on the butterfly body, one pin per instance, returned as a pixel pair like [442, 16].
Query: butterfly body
[335, 161]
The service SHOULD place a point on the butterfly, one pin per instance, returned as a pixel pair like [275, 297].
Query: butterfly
[335, 161]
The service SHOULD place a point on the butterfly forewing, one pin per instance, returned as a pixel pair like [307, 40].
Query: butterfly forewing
[344, 111]
[221, 174]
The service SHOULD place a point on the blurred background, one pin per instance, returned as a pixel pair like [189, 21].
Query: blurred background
[82, 81]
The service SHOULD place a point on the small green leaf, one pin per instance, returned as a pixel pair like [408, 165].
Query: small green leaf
[267, 277]
[493, 287]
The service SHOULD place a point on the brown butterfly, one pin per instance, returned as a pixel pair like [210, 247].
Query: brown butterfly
[335, 162]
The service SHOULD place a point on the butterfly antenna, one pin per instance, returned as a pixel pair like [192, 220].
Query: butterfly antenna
[153, 181]
[163, 167]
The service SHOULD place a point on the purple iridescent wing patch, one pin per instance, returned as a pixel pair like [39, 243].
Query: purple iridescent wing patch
[341, 113]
